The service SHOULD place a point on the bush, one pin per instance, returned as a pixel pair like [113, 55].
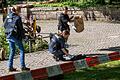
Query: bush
[69, 4]
[3, 41]
[40, 44]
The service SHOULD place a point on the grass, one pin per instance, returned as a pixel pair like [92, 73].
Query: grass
[106, 71]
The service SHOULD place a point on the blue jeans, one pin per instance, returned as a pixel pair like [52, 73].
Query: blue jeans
[12, 52]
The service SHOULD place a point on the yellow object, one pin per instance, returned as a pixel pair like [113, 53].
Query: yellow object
[34, 25]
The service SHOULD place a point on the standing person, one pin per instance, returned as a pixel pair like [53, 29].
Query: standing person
[64, 20]
[93, 15]
[15, 33]
[85, 14]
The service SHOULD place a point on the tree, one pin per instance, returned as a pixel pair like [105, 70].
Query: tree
[116, 1]
[102, 2]
[4, 3]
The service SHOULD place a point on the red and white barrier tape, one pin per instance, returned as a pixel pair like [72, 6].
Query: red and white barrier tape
[71, 66]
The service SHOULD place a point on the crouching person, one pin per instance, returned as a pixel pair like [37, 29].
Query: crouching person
[58, 49]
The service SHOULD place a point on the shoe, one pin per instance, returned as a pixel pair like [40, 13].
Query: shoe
[12, 69]
[25, 69]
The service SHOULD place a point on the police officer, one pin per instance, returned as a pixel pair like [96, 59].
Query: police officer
[15, 33]
[64, 20]
[57, 45]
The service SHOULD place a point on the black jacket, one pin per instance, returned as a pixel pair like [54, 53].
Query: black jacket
[63, 20]
[56, 43]
[13, 26]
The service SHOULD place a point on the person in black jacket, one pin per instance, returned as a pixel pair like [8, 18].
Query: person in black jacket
[64, 21]
[57, 45]
[58, 48]
[15, 33]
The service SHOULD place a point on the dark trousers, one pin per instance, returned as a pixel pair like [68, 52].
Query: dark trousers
[59, 54]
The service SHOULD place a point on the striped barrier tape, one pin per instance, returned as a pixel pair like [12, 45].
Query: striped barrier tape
[55, 70]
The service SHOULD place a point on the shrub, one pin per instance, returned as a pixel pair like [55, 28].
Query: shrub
[39, 44]
[3, 41]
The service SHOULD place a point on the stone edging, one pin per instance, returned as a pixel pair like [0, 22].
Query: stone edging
[68, 67]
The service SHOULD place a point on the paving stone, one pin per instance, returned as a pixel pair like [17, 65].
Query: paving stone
[97, 38]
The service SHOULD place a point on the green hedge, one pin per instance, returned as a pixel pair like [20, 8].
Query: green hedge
[69, 4]
[3, 41]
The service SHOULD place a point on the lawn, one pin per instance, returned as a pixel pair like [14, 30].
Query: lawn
[106, 71]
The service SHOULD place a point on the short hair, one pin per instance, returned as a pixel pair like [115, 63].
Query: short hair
[66, 32]
[13, 9]
[65, 8]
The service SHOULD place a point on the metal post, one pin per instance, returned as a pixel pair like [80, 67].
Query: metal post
[28, 10]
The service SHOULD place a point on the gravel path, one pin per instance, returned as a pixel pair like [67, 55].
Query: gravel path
[97, 38]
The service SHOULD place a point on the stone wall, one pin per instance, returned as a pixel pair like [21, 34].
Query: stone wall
[102, 13]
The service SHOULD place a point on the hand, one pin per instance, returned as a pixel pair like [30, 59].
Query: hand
[68, 23]
[71, 17]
